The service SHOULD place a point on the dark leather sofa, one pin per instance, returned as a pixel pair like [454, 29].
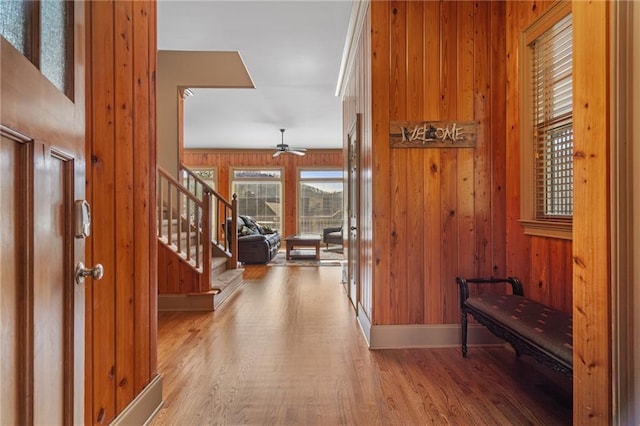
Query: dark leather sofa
[255, 243]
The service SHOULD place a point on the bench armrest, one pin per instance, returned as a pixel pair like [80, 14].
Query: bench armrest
[516, 285]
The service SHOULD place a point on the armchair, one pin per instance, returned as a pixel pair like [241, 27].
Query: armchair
[332, 235]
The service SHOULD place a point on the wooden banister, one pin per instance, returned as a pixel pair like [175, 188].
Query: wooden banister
[183, 219]
[219, 210]
[187, 225]
[204, 184]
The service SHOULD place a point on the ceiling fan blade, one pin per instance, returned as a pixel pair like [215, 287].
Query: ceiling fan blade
[284, 148]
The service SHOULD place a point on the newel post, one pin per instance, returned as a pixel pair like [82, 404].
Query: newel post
[205, 235]
[233, 244]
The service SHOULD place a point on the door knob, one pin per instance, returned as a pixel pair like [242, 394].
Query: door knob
[81, 272]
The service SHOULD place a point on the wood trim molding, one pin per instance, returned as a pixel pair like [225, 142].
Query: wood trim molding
[635, 257]
[144, 407]
[14, 135]
[253, 151]
[356, 24]
[550, 229]
[186, 302]
[624, 367]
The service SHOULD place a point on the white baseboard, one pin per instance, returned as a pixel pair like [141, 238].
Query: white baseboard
[365, 324]
[144, 407]
[425, 336]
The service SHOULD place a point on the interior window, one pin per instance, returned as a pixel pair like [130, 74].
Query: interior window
[547, 122]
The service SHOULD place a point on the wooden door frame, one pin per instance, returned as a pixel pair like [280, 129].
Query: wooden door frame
[625, 251]
[355, 131]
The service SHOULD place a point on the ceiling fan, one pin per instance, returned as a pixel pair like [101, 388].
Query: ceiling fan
[282, 148]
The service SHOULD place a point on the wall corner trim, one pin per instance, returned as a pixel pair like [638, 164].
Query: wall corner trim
[356, 24]
[144, 407]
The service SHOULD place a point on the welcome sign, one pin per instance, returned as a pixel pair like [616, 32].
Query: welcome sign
[432, 134]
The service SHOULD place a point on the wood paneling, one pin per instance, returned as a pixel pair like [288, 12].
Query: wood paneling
[380, 181]
[546, 278]
[434, 213]
[121, 308]
[175, 276]
[357, 100]
[125, 243]
[592, 223]
[224, 160]
[471, 200]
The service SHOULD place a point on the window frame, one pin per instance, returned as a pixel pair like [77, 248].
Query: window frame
[533, 225]
[300, 181]
[280, 180]
[33, 45]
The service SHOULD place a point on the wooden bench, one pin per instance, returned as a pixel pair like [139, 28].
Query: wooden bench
[530, 327]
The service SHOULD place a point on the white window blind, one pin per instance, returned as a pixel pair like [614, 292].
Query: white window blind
[552, 110]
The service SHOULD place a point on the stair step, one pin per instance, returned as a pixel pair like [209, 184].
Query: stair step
[226, 283]
[218, 265]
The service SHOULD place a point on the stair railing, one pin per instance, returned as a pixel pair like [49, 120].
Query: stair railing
[183, 221]
[220, 210]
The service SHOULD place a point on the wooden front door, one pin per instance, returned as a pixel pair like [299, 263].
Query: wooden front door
[42, 175]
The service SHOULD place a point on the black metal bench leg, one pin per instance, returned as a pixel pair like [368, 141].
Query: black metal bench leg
[463, 329]
[517, 351]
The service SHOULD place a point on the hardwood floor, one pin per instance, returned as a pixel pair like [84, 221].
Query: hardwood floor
[286, 349]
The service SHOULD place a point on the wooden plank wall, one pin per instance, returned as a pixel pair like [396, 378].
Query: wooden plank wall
[175, 275]
[224, 160]
[543, 264]
[121, 353]
[592, 313]
[357, 100]
[436, 213]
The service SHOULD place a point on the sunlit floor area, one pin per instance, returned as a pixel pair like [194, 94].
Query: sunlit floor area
[286, 349]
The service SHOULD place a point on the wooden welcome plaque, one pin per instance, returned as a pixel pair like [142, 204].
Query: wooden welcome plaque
[432, 134]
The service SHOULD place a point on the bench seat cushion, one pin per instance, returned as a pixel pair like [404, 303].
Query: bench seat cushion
[550, 329]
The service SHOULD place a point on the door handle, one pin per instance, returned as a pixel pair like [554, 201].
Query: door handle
[81, 272]
[353, 228]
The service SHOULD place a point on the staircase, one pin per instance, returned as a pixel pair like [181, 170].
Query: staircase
[197, 265]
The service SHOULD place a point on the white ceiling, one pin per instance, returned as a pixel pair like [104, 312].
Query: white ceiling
[292, 50]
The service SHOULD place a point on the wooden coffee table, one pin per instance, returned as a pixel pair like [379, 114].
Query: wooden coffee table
[302, 241]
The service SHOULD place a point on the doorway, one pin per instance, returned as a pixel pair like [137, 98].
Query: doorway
[353, 211]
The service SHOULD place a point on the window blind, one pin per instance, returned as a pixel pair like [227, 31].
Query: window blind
[552, 109]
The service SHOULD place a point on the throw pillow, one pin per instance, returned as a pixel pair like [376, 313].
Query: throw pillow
[246, 231]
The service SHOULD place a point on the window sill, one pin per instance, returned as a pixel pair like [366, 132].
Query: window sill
[549, 229]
